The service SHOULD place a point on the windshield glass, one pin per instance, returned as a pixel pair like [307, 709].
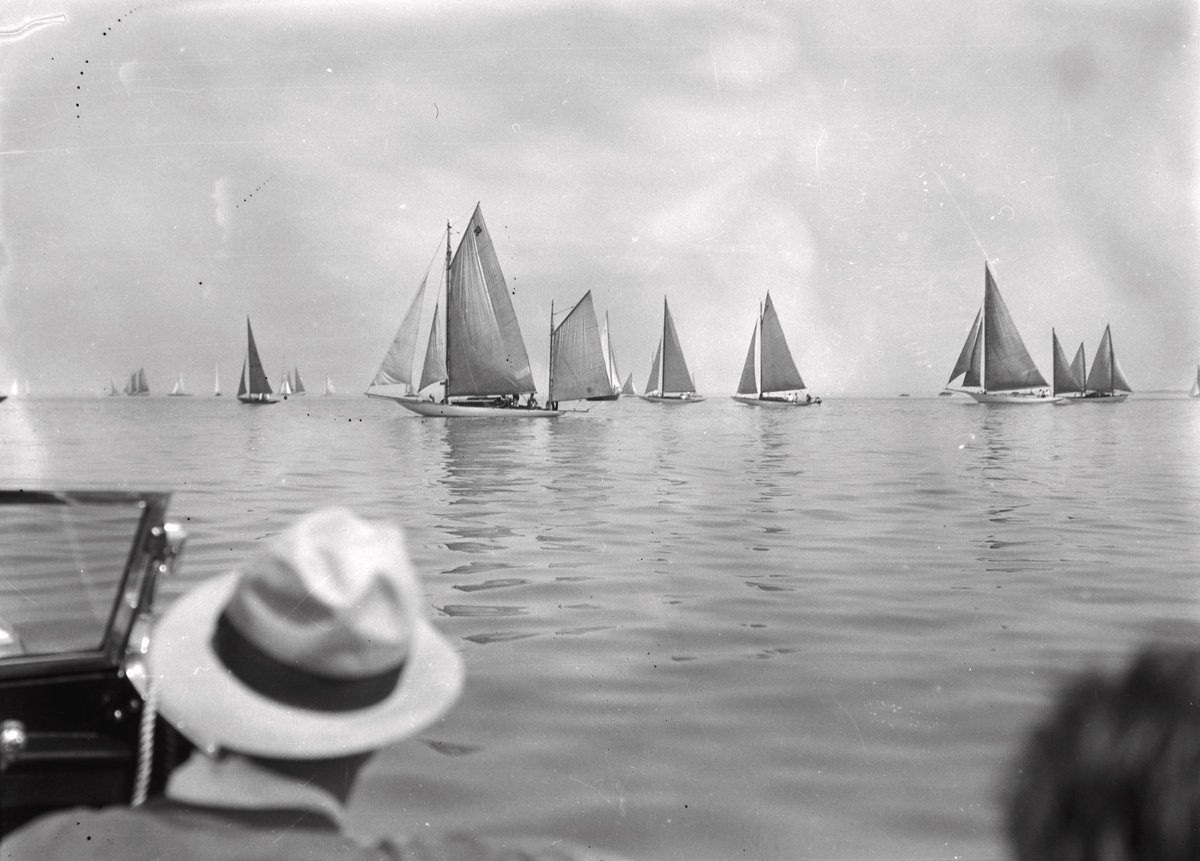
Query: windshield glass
[62, 572]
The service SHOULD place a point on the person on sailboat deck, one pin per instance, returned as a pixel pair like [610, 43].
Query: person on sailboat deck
[287, 675]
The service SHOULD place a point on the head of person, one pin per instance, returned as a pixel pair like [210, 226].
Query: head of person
[1112, 773]
[316, 648]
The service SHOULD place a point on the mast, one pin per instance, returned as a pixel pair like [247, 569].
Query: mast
[446, 385]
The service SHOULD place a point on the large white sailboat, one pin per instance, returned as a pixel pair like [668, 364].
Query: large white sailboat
[994, 365]
[478, 358]
[778, 382]
[670, 381]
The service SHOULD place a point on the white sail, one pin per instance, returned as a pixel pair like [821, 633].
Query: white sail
[485, 353]
[216, 381]
[610, 359]
[577, 366]
[1194, 392]
[1106, 376]
[329, 390]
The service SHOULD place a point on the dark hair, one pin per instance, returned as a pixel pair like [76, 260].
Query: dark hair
[1113, 770]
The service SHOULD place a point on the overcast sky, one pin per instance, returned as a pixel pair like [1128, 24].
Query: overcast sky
[169, 168]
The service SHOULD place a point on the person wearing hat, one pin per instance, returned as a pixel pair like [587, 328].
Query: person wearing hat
[287, 676]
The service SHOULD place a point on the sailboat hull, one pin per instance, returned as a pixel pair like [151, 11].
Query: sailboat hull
[611, 397]
[773, 403]
[1096, 399]
[1026, 399]
[685, 398]
[257, 400]
[466, 410]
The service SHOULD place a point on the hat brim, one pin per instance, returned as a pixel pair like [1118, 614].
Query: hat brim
[214, 710]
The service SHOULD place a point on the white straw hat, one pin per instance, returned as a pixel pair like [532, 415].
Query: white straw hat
[316, 648]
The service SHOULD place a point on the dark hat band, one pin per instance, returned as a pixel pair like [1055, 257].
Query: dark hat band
[293, 686]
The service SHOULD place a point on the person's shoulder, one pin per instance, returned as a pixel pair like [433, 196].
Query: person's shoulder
[79, 832]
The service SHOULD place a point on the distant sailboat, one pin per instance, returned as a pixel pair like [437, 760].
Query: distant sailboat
[297, 383]
[1106, 381]
[670, 382]
[112, 387]
[285, 385]
[610, 366]
[1195, 390]
[329, 386]
[1068, 378]
[254, 387]
[627, 386]
[577, 364]
[777, 372]
[216, 382]
[479, 356]
[179, 391]
[14, 390]
[137, 384]
[994, 364]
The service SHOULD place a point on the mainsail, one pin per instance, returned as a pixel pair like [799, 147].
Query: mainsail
[627, 387]
[1194, 392]
[577, 366]
[1106, 376]
[485, 353]
[297, 383]
[654, 384]
[994, 357]
[675, 376]
[610, 359]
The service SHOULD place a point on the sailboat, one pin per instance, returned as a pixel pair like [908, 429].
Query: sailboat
[179, 391]
[1106, 383]
[994, 364]
[478, 356]
[137, 384]
[329, 386]
[297, 383]
[285, 384]
[216, 382]
[669, 382]
[254, 387]
[610, 366]
[627, 386]
[577, 360]
[1068, 377]
[112, 387]
[1194, 392]
[777, 373]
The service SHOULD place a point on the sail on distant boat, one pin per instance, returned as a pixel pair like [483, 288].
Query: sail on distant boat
[994, 364]
[778, 382]
[329, 390]
[179, 391]
[137, 384]
[1067, 379]
[610, 366]
[1194, 392]
[577, 365]
[627, 386]
[670, 381]
[112, 387]
[285, 384]
[216, 382]
[478, 357]
[254, 387]
[1106, 381]
[296, 384]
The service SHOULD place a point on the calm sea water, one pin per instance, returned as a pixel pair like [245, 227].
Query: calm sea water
[706, 631]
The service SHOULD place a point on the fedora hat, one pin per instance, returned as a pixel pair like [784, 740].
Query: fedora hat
[317, 647]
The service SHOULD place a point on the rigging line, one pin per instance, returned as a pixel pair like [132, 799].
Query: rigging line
[961, 214]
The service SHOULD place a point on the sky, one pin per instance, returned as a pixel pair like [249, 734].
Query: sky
[168, 169]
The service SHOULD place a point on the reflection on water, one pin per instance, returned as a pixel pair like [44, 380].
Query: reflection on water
[845, 612]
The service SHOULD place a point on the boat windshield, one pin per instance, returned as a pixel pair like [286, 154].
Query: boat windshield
[69, 579]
